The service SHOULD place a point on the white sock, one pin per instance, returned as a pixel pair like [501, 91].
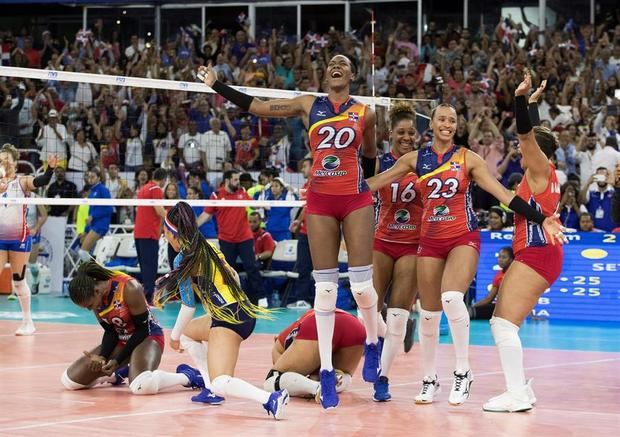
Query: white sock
[381, 326]
[168, 379]
[324, 309]
[366, 298]
[458, 318]
[295, 383]
[22, 290]
[225, 386]
[198, 351]
[429, 337]
[396, 329]
[506, 336]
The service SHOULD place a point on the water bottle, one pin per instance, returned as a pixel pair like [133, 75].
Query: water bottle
[275, 300]
[33, 278]
[45, 280]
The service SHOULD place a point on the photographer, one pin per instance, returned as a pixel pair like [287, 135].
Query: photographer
[596, 197]
[52, 139]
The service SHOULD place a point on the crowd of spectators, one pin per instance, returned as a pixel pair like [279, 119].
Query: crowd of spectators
[131, 131]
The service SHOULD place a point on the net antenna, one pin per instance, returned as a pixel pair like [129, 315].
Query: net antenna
[372, 47]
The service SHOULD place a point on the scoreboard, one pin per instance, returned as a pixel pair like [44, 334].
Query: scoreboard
[587, 289]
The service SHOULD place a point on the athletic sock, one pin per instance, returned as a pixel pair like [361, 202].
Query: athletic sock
[298, 385]
[226, 386]
[325, 333]
[22, 290]
[506, 336]
[458, 319]
[198, 351]
[429, 337]
[166, 380]
[381, 326]
[396, 328]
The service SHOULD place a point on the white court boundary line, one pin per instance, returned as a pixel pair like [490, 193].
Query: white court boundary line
[150, 202]
[191, 409]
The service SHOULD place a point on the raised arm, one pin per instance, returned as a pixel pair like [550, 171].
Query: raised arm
[404, 165]
[278, 108]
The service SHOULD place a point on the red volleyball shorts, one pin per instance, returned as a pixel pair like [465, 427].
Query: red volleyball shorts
[440, 248]
[337, 206]
[545, 260]
[395, 250]
[348, 331]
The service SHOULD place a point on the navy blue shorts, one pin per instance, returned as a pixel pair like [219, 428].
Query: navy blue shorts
[101, 230]
[244, 329]
[16, 245]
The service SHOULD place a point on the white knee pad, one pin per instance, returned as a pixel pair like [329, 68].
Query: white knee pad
[325, 297]
[454, 306]
[429, 323]
[505, 333]
[219, 385]
[21, 288]
[69, 384]
[144, 384]
[397, 322]
[364, 294]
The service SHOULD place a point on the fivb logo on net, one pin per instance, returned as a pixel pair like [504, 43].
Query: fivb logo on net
[52, 75]
[183, 85]
[120, 79]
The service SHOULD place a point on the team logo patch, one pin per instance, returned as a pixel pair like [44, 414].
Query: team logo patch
[441, 210]
[402, 216]
[331, 162]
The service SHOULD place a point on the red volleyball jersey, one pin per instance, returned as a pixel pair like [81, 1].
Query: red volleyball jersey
[399, 210]
[336, 136]
[114, 310]
[530, 234]
[446, 194]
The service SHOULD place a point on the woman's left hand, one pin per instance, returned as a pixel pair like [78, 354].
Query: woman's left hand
[525, 85]
[553, 227]
[109, 367]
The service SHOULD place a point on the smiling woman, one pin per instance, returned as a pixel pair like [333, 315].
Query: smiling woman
[340, 130]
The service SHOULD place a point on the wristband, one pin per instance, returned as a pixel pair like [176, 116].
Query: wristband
[44, 179]
[368, 166]
[524, 125]
[522, 208]
[238, 98]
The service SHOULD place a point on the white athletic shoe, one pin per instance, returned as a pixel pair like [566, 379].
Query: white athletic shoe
[26, 328]
[430, 387]
[530, 391]
[508, 402]
[460, 387]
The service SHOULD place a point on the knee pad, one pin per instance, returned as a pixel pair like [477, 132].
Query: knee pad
[272, 382]
[325, 297]
[20, 276]
[144, 384]
[454, 306]
[21, 287]
[364, 293]
[218, 385]
[397, 322]
[429, 323]
[343, 381]
[505, 333]
[69, 384]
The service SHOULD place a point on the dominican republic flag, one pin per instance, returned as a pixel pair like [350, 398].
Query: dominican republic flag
[455, 166]
[354, 117]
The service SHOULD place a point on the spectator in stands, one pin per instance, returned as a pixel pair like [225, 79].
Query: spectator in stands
[52, 139]
[196, 179]
[566, 154]
[246, 149]
[99, 217]
[278, 219]
[147, 231]
[596, 198]
[277, 148]
[497, 219]
[264, 244]
[586, 224]
[484, 308]
[510, 164]
[171, 192]
[588, 148]
[569, 206]
[134, 156]
[208, 229]
[217, 143]
[109, 145]
[163, 146]
[83, 153]
[141, 179]
[608, 156]
[61, 187]
[191, 146]
[486, 140]
[234, 233]
[9, 116]
[27, 116]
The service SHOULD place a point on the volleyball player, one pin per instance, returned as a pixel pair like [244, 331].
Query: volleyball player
[15, 238]
[538, 262]
[340, 129]
[131, 336]
[295, 355]
[201, 269]
[396, 243]
[449, 245]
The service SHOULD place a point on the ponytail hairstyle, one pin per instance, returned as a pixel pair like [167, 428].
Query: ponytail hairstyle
[201, 262]
[401, 110]
[82, 286]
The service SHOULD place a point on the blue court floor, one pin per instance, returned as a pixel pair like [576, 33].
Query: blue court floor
[581, 336]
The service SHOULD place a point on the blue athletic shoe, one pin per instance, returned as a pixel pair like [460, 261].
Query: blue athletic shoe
[121, 374]
[382, 390]
[275, 404]
[372, 357]
[206, 396]
[327, 394]
[194, 376]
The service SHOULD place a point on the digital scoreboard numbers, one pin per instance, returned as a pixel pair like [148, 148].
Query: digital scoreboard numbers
[587, 289]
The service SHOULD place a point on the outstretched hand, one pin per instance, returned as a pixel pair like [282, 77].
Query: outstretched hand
[525, 85]
[553, 227]
[206, 74]
[536, 94]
